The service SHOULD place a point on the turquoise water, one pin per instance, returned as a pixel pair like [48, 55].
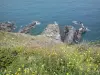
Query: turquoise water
[22, 12]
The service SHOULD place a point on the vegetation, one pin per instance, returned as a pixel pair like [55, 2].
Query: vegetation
[17, 58]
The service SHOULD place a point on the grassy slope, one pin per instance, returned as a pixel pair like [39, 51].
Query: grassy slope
[22, 54]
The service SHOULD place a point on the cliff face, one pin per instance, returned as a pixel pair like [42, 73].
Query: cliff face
[52, 31]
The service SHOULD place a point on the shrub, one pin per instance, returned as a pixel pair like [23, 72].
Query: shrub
[56, 62]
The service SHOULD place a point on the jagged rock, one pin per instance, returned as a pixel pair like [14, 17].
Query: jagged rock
[52, 31]
[27, 28]
[72, 35]
[69, 35]
[7, 26]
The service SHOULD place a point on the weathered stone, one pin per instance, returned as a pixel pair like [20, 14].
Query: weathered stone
[7, 26]
[52, 31]
[27, 28]
[69, 36]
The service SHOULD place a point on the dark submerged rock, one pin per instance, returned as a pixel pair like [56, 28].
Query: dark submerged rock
[27, 28]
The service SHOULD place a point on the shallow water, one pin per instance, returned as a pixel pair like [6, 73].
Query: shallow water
[64, 12]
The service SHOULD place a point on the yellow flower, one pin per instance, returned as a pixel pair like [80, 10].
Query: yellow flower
[43, 65]
[62, 47]
[94, 69]
[98, 54]
[17, 73]
[5, 70]
[81, 68]
[19, 69]
[23, 65]
[67, 73]
[33, 73]
[54, 53]
[26, 70]
[88, 69]
[90, 64]
[89, 51]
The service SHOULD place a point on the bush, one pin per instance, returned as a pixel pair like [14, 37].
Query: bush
[8, 55]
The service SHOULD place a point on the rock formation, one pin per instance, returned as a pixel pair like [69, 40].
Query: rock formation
[27, 28]
[72, 35]
[7, 26]
[68, 35]
[52, 31]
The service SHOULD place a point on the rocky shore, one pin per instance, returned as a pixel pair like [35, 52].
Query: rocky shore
[69, 34]
[7, 26]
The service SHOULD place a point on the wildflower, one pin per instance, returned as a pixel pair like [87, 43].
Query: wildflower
[62, 47]
[98, 71]
[54, 72]
[67, 73]
[94, 69]
[98, 54]
[33, 73]
[88, 69]
[68, 47]
[61, 59]
[69, 62]
[43, 65]
[90, 64]
[23, 65]
[96, 66]
[84, 53]
[12, 38]
[63, 67]
[81, 68]
[26, 70]
[5, 71]
[89, 51]
[9, 71]
[54, 53]
[64, 51]
[91, 58]
[17, 73]
[19, 69]
[4, 38]
[30, 69]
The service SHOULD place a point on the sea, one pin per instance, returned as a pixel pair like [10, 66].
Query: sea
[23, 12]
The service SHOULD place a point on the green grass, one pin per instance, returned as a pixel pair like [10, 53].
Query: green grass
[19, 59]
